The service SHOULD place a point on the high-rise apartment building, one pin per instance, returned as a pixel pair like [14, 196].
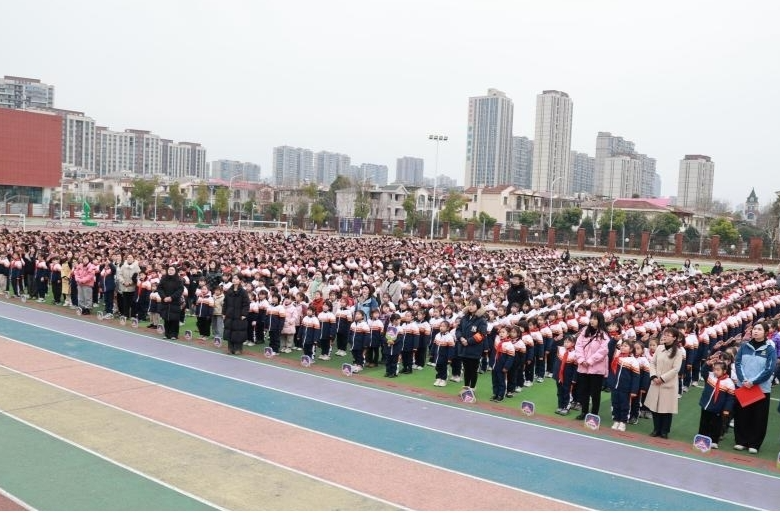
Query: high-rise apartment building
[582, 171]
[146, 154]
[622, 176]
[328, 165]
[78, 139]
[226, 169]
[292, 166]
[522, 162]
[375, 174]
[552, 143]
[24, 93]
[607, 146]
[489, 140]
[409, 170]
[695, 182]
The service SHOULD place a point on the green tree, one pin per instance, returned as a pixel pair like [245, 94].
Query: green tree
[201, 195]
[529, 217]
[329, 198]
[274, 210]
[177, 198]
[725, 229]
[665, 224]
[615, 220]
[104, 200]
[486, 220]
[566, 218]
[248, 208]
[310, 190]
[451, 212]
[410, 206]
[636, 223]
[221, 198]
[143, 190]
[362, 205]
[691, 234]
[589, 227]
[318, 213]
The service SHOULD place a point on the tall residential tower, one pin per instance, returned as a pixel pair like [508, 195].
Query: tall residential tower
[552, 143]
[489, 140]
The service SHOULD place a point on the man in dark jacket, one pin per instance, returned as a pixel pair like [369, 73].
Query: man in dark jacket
[469, 338]
[235, 311]
[517, 292]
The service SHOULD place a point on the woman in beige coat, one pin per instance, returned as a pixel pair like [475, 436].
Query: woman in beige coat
[662, 397]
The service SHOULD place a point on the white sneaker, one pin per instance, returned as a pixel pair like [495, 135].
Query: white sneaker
[41, 300]
[713, 445]
[739, 447]
[752, 450]
[548, 374]
[299, 349]
[250, 344]
[456, 379]
[417, 367]
[529, 383]
[341, 353]
[432, 364]
[684, 389]
[615, 425]
[246, 342]
[695, 384]
[621, 426]
[540, 379]
[437, 383]
[357, 368]
[324, 357]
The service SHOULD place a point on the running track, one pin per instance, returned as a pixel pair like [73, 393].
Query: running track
[101, 418]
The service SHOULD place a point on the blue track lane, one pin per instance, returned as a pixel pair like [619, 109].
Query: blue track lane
[586, 487]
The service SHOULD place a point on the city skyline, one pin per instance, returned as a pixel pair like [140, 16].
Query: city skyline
[377, 96]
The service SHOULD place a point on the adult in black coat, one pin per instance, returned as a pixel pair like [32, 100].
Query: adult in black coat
[171, 290]
[583, 285]
[235, 310]
[517, 292]
[469, 338]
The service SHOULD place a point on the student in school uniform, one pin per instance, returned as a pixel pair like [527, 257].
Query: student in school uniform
[377, 327]
[717, 402]
[518, 362]
[637, 402]
[424, 329]
[310, 331]
[565, 372]
[443, 345]
[624, 383]
[359, 336]
[392, 346]
[327, 329]
[343, 320]
[276, 313]
[217, 317]
[55, 268]
[42, 277]
[505, 356]
[204, 310]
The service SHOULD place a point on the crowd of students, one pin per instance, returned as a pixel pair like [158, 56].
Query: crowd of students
[644, 332]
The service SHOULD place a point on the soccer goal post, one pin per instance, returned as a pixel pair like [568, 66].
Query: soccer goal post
[252, 225]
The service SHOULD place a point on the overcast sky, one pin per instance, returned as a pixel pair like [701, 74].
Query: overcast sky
[373, 78]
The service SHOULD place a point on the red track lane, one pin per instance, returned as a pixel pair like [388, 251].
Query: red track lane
[7, 504]
[378, 474]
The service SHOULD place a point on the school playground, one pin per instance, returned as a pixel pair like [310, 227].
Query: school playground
[98, 416]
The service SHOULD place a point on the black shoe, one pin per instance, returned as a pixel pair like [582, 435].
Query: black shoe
[387, 374]
[654, 434]
[494, 398]
[406, 371]
[393, 376]
[664, 435]
[581, 416]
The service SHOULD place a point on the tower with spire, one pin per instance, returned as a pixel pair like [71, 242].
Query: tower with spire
[751, 207]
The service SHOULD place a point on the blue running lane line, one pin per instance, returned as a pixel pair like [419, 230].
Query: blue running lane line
[574, 483]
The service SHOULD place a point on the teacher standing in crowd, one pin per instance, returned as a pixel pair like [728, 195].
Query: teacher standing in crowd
[235, 310]
[592, 353]
[171, 290]
[755, 365]
[662, 396]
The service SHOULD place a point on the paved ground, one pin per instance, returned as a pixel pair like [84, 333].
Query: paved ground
[177, 427]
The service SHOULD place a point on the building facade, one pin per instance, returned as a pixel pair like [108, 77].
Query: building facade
[292, 166]
[622, 177]
[328, 165]
[489, 140]
[552, 143]
[695, 182]
[375, 174]
[226, 169]
[24, 93]
[582, 172]
[522, 162]
[78, 140]
[751, 208]
[409, 170]
[607, 146]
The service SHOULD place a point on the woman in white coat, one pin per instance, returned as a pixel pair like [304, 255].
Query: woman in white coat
[662, 397]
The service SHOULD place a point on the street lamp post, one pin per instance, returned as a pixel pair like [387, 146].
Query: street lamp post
[552, 188]
[612, 213]
[230, 196]
[155, 203]
[438, 139]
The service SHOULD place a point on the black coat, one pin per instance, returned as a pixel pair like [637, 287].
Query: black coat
[236, 309]
[172, 287]
[518, 294]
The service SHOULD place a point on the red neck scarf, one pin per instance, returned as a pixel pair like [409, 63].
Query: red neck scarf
[717, 387]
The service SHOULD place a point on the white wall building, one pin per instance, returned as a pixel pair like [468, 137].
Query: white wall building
[552, 143]
[582, 172]
[622, 176]
[522, 162]
[695, 182]
[24, 93]
[328, 165]
[373, 173]
[489, 140]
[226, 169]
